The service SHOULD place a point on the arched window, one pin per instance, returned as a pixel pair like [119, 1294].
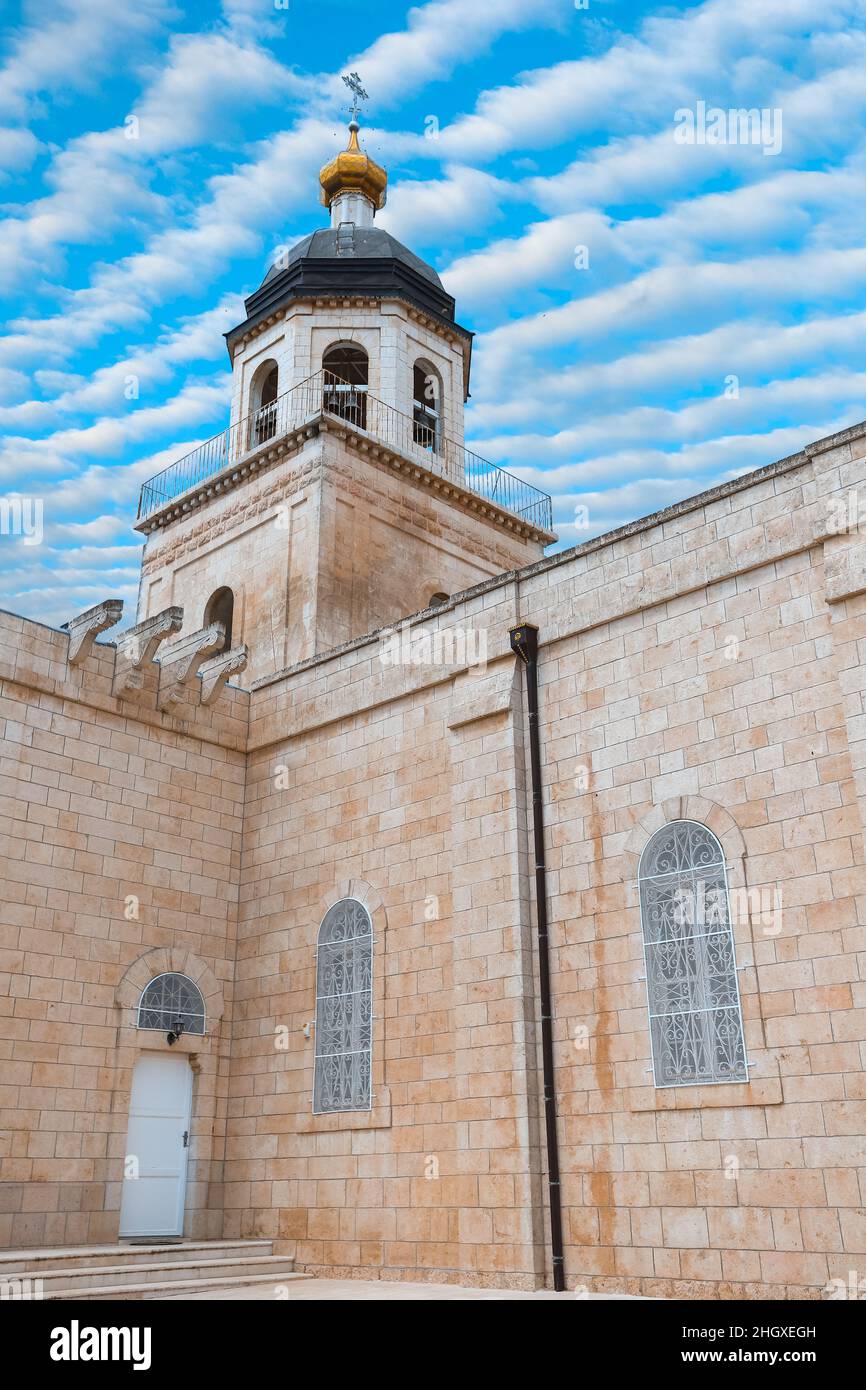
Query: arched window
[346, 371]
[696, 1024]
[344, 1009]
[172, 1000]
[436, 600]
[220, 608]
[263, 403]
[427, 406]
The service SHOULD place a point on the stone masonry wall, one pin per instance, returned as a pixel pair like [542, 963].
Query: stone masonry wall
[322, 546]
[705, 667]
[705, 664]
[412, 807]
[120, 859]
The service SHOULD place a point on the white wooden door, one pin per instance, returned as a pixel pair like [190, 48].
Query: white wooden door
[154, 1181]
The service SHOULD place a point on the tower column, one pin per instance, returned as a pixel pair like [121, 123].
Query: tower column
[352, 207]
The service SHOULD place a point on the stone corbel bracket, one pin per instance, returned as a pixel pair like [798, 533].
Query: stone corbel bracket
[180, 662]
[215, 672]
[84, 629]
[137, 646]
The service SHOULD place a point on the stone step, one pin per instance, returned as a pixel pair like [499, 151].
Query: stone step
[68, 1282]
[173, 1288]
[36, 1262]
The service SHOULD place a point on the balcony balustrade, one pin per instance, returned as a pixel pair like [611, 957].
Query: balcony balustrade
[326, 394]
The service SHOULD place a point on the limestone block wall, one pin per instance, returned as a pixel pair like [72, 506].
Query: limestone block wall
[321, 546]
[716, 678]
[119, 860]
[704, 665]
[389, 542]
[413, 807]
[259, 540]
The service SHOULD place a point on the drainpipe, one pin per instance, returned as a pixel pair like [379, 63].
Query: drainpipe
[524, 641]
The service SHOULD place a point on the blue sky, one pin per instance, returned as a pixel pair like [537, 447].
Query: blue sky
[719, 323]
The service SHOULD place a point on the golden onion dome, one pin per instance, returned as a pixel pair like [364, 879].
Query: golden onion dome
[353, 171]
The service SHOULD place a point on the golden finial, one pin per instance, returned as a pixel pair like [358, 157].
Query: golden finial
[353, 171]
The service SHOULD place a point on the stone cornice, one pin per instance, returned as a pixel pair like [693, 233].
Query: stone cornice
[201, 730]
[230, 477]
[452, 332]
[464, 497]
[844, 569]
[827, 470]
[325, 280]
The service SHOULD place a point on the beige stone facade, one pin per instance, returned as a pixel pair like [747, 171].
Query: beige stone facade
[392, 333]
[324, 543]
[706, 664]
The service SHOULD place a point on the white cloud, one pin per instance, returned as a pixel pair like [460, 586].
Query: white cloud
[197, 338]
[99, 528]
[710, 459]
[670, 296]
[72, 44]
[651, 75]
[785, 207]
[439, 36]
[544, 254]
[615, 393]
[183, 259]
[748, 348]
[252, 197]
[96, 194]
[206, 87]
[195, 403]
[12, 383]
[442, 207]
[204, 91]
[18, 149]
[696, 420]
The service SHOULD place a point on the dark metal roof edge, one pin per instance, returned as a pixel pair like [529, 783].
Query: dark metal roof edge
[303, 279]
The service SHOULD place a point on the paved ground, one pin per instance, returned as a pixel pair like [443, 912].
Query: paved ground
[378, 1290]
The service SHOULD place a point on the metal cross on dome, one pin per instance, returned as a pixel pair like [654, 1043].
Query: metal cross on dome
[353, 82]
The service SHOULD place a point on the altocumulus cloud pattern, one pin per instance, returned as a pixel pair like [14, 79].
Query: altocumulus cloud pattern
[652, 220]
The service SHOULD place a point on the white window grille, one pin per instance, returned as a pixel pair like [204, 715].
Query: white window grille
[696, 1022]
[344, 1009]
[169, 1000]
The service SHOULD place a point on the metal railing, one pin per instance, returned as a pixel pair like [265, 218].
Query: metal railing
[324, 393]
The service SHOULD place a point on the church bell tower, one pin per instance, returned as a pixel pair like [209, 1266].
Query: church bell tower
[341, 497]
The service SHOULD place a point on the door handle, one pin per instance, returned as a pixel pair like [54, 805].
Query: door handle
[186, 1139]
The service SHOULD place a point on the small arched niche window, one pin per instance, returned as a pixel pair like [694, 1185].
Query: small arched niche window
[171, 1000]
[220, 608]
[346, 372]
[696, 1023]
[344, 1009]
[436, 600]
[263, 403]
[427, 406]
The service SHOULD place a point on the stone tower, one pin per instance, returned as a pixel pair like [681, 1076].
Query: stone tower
[340, 498]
